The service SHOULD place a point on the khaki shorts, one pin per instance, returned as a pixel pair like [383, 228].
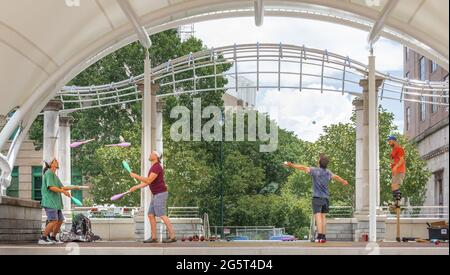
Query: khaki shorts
[398, 179]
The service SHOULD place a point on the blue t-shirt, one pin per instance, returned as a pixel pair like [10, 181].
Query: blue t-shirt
[320, 178]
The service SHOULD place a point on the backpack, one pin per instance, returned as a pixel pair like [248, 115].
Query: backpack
[81, 225]
[81, 231]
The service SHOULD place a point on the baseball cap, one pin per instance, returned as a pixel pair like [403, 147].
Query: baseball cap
[394, 138]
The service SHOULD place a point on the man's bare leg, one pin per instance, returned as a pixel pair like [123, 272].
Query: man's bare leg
[319, 223]
[324, 224]
[152, 220]
[169, 226]
[49, 228]
[56, 228]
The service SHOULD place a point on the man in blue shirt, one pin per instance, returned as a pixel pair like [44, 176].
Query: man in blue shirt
[321, 177]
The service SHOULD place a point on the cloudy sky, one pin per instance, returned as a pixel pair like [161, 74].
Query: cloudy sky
[306, 113]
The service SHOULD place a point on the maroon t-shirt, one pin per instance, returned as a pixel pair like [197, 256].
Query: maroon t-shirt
[158, 185]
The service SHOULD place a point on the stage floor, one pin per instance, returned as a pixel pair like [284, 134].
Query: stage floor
[228, 248]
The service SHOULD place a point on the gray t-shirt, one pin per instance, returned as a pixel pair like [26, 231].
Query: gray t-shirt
[320, 178]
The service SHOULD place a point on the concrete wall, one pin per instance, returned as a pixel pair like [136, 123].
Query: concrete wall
[20, 220]
[182, 226]
[410, 228]
[26, 159]
[344, 229]
[341, 229]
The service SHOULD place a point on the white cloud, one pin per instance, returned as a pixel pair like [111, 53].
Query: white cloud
[400, 124]
[306, 113]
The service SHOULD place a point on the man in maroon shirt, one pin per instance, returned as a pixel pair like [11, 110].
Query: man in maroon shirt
[158, 205]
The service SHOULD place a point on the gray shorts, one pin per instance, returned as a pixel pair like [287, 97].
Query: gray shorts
[158, 204]
[54, 214]
[320, 205]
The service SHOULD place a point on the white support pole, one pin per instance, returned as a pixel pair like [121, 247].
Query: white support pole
[65, 164]
[373, 145]
[259, 13]
[159, 129]
[158, 135]
[361, 169]
[146, 146]
[51, 129]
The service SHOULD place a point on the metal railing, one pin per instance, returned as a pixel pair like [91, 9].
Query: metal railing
[252, 232]
[419, 212]
[277, 67]
[206, 226]
[337, 212]
[129, 212]
[184, 212]
[107, 212]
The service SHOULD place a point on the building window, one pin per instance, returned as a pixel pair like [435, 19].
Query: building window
[438, 188]
[434, 106]
[422, 69]
[406, 54]
[445, 93]
[408, 118]
[433, 66]
[422, 109]
[13, 189]
[77, 179]
[36, 183]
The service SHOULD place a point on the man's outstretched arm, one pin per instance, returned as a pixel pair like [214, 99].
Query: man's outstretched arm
[303, 168]
[341, 180]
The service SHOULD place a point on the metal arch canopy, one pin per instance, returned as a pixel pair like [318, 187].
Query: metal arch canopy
[51, 44]
[334, 72]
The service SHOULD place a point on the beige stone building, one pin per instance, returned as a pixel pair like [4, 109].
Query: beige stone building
[428, 126]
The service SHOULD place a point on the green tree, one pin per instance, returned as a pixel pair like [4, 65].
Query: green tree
[106, 124]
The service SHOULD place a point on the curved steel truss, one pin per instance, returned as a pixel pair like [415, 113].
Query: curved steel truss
[277, 67]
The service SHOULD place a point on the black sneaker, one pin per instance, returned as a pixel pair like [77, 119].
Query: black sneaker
[54, 240]
[45, 241]
[170, 241]
[397, 195]
[151, 241]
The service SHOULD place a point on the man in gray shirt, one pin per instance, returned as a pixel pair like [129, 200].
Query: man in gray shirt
[321, 178]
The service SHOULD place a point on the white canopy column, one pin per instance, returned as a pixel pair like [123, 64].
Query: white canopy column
[367, 187]
[65, 163]
[373, 149]
[51, 130]
[147, 146]
[159, 127]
